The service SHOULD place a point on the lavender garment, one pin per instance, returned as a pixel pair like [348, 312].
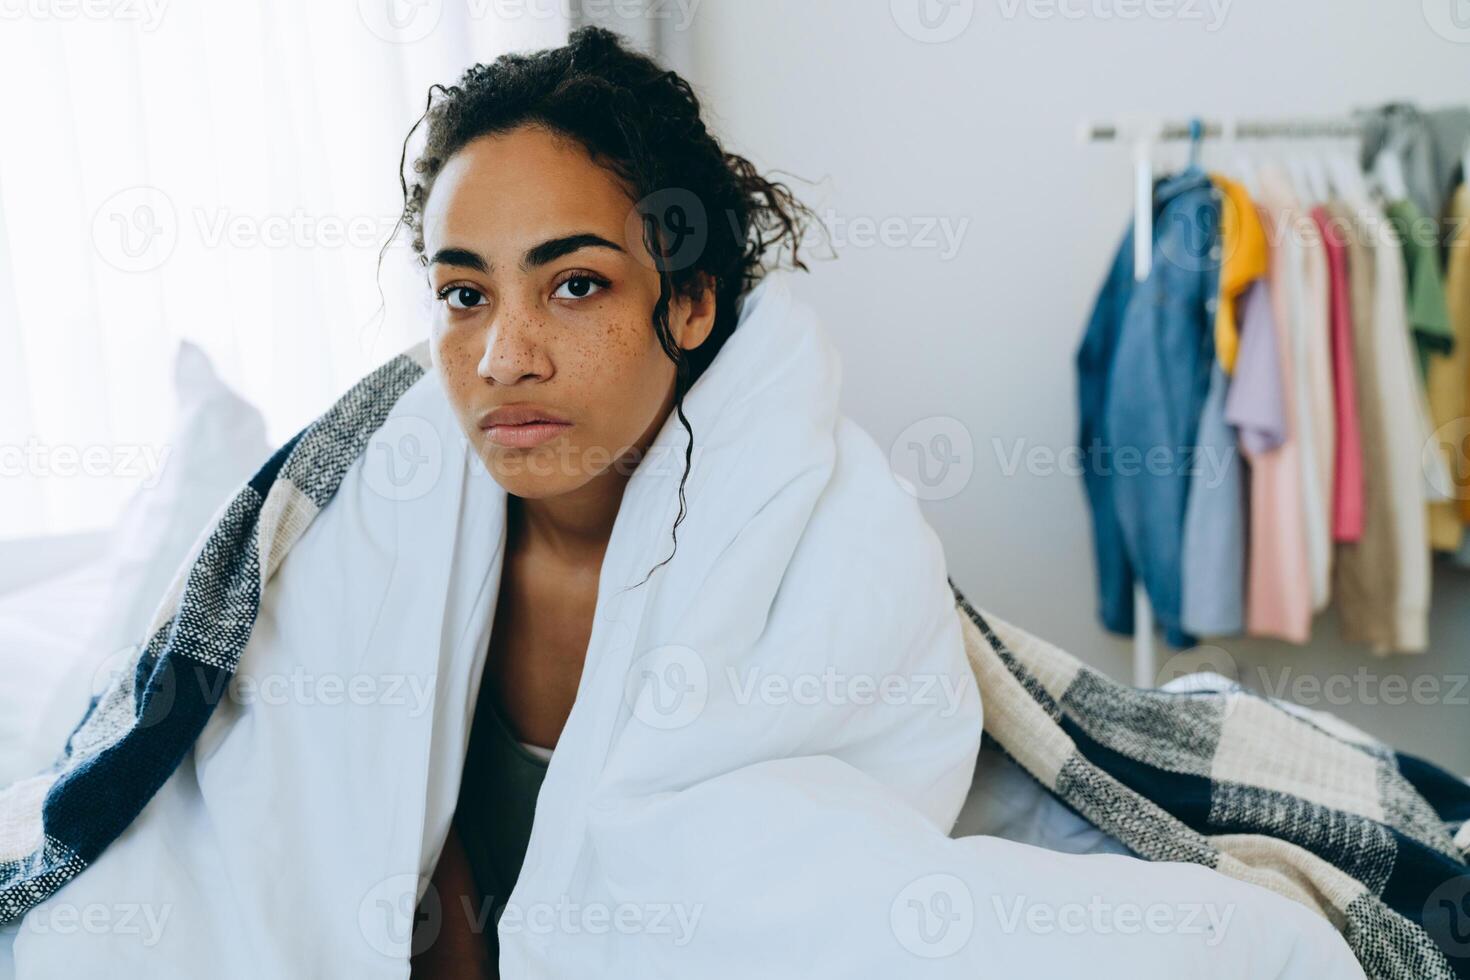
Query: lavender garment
[1213, 563]
[1254, 404]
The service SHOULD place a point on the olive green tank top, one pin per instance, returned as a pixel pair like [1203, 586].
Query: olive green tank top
[497, 801]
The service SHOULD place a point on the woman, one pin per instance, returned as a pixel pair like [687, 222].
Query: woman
[760, 717]
[568, 328]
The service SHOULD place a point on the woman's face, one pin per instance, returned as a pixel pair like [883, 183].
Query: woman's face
[545, 296]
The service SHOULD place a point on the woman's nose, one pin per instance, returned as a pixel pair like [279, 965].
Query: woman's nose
[513, 350]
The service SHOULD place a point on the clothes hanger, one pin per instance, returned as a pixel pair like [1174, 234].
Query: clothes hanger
[1241, 167]
[1388, 173]
[1348, 177]
[1196, 137]
[1320, 178]
[1296, 169]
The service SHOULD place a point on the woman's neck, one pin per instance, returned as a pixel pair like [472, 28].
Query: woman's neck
[573, 527]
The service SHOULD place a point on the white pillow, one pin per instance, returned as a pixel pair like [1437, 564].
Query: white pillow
[217, 443]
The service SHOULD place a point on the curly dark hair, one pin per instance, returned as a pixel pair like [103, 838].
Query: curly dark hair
[709, 218]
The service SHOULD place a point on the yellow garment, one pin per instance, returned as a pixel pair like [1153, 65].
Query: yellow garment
[1242, 261]
[1449, 387]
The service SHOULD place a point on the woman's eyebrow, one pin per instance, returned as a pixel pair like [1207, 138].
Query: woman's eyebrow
[555, 248]
[537, 255]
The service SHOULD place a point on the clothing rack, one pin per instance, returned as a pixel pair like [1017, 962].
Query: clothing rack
[1249, 129]
[1142, 136]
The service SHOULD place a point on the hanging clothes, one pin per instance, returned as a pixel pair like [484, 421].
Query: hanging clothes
[1298, 275]
[1143, 373]
[1428, 145]
[1449, 385]
[1384, 578]
[1213, 562]
[1428, 318]
[1367, 576]
[1243, 257]
[1278, 581]
[1347, 478]
[1255, 404]
[1213, 552]
[1316, 345]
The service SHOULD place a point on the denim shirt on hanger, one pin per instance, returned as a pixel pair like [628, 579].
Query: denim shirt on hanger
[1143, 371]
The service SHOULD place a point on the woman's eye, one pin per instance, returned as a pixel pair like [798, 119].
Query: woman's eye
[579, 287]
[462, 297]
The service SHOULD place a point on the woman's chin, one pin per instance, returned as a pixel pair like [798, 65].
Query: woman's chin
[534, 476]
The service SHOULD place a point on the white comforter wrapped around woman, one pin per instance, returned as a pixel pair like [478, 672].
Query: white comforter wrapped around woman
[771, 740]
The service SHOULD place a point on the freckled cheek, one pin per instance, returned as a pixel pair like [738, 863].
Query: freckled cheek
[615, 372]
[458, 371]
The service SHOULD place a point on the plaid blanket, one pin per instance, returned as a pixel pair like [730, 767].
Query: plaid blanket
[137, 731]
[1304, 805]
[1371, 839]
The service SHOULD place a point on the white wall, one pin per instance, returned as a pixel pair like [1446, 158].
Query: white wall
[982, 129]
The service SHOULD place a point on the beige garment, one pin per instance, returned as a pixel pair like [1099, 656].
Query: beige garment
[1449, 388]
[1366, 576]
[1278, 578]
[1300, 296]
[1317, 360]
[1396, 529]
[1299, 288]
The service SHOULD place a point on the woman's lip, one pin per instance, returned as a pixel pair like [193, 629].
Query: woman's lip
[525, 436]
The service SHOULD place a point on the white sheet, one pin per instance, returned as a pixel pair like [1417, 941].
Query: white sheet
[709, 835]
[45, 631]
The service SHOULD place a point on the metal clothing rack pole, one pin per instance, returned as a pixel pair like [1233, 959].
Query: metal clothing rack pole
[1240, 129]
[1142, 136]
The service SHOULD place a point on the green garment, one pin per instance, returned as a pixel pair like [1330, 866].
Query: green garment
[497, 802]
[1429, 318]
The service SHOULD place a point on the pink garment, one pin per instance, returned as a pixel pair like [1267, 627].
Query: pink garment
[1348, 505]
[1279, 577]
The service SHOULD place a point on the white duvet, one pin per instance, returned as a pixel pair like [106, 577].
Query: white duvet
[771, 740]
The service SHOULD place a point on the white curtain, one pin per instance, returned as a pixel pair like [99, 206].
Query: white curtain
[220, 171]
